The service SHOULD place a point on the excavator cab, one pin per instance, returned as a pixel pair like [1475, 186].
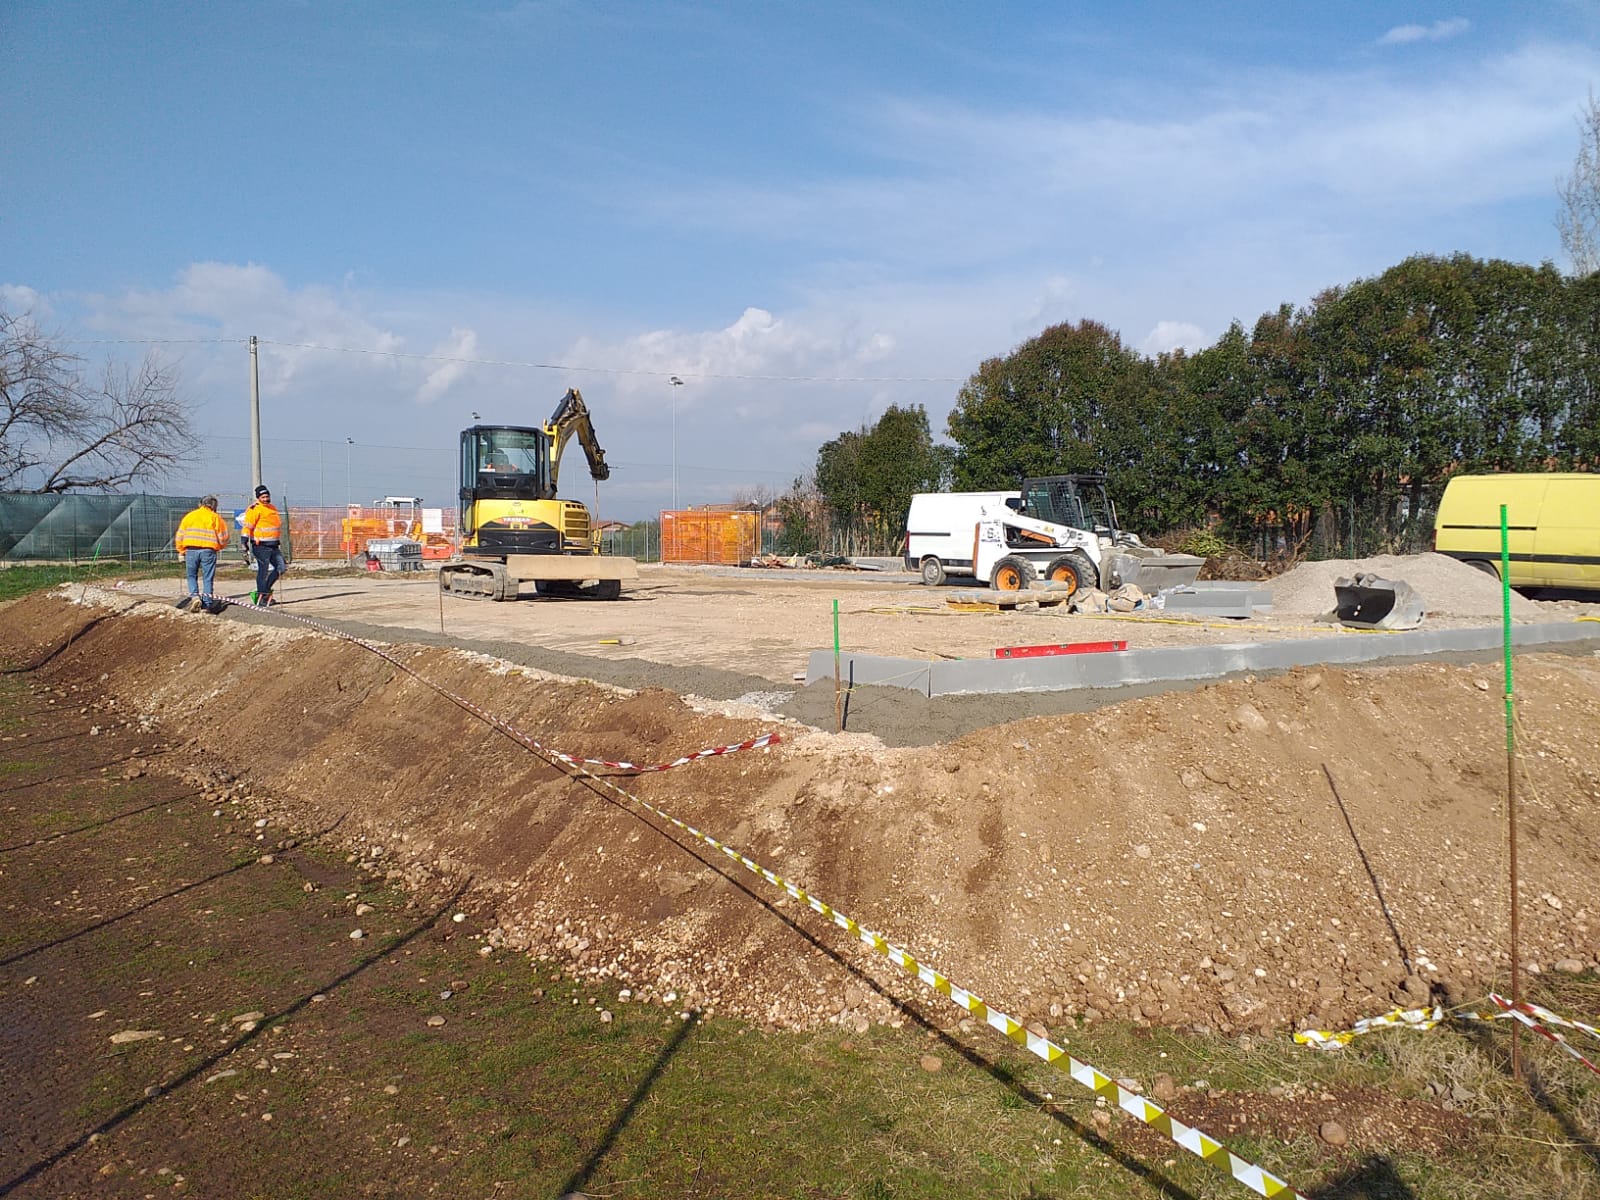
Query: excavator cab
[506, 462]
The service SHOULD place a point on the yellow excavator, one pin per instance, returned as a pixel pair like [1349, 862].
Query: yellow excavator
[514, 528]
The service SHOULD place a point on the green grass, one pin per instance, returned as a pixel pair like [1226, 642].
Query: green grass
[21, 580]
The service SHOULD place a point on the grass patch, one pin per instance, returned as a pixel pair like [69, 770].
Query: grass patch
[22, 580]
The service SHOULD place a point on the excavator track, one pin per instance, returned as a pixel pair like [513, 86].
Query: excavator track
[477, 581]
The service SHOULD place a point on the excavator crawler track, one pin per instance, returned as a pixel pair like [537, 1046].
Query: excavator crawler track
[477, 581]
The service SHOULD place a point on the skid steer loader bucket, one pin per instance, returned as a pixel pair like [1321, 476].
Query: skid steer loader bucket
[1149, 569]
[1372, 602]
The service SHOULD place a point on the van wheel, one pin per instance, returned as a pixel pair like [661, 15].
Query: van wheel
[1488, 568]
[1074, 570]
[1012, 574]
[932, 571]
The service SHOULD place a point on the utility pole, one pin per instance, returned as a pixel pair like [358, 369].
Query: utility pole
[675, 383]
[255, 416]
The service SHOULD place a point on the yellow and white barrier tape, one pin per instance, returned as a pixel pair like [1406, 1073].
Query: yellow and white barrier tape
[1412, 1018]
[1195, 1141]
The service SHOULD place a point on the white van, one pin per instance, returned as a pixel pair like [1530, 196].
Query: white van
[942, 535]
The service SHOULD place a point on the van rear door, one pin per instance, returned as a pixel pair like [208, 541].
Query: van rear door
[1567, 544]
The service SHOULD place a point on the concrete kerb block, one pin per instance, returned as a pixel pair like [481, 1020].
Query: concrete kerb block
[870, 670]
[1176, 664]
[1218, 598]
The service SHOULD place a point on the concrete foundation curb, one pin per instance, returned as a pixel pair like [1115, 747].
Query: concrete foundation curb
[1186, 663]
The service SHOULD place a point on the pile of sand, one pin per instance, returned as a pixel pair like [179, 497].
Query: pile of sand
[1448, 587]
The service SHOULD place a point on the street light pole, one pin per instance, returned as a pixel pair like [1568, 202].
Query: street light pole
[348, 442]
[676, 383]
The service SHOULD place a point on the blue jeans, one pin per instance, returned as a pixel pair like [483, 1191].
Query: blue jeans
[269, 565]
[204, 564]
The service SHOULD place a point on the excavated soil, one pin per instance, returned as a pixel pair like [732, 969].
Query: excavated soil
[1256, 854]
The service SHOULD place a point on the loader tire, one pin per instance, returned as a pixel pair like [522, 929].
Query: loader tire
[1012, 574]
[1073, 569]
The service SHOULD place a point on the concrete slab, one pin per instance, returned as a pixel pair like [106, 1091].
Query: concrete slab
[1185, 663]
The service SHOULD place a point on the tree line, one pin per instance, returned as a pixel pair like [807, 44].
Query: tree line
[1328, 429]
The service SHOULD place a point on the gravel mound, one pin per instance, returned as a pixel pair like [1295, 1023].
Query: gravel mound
[1448, 587]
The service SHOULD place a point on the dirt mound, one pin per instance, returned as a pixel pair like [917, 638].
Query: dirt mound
[1306, 849]
[1448, 587]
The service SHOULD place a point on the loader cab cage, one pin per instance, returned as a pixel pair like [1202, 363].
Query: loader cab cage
[505, 462]
[1076, 500]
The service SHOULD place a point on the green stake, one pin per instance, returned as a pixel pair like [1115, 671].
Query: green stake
[1511, 781]
[838, 686]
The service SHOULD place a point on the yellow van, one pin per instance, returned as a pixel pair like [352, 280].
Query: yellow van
[1553, 527]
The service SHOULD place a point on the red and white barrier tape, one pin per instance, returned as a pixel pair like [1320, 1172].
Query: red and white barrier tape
[1539, 1019]
[755, 743]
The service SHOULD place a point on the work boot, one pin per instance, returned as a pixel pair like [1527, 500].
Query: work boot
[183, 602]
[213, 606]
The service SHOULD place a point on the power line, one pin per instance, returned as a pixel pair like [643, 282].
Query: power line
[507, 362]
[157, 341]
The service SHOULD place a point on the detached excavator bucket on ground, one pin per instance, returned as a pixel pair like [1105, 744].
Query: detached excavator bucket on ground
[1372, 602]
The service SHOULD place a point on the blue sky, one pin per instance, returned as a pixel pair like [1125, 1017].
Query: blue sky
[807, 212]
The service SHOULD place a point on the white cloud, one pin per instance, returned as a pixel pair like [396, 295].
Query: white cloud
[1437, 32]
[462, 343]
[1172, 335]
[964, 188]
[18, 300]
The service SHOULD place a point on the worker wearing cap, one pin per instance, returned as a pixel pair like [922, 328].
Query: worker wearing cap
[263, 529]
[201, 535]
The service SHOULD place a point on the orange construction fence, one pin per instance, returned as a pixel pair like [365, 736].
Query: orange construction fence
[335, 533]
[708, 536]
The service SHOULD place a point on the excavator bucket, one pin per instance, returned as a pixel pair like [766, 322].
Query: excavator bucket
[1372, 602]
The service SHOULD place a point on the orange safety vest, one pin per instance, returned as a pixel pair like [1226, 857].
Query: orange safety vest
[263, 523]
[201, 529]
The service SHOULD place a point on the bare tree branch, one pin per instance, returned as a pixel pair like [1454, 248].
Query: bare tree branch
[1579, 218]
[58, 433]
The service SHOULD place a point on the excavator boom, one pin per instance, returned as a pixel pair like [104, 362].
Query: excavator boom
[571, 420]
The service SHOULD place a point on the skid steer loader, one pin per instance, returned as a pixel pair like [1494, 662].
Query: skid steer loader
[1058, 528]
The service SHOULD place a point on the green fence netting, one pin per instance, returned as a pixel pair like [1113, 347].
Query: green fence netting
[72, 528]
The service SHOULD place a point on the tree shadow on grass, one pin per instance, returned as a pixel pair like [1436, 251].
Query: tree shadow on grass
[1373, 1178]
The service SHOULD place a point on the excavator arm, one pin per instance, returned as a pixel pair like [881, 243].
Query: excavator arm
[571, 420]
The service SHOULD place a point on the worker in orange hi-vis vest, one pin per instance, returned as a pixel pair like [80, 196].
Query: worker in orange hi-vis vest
[263, 529]
[201, 536]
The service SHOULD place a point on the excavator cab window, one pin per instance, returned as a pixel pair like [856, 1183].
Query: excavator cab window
[507, 461]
